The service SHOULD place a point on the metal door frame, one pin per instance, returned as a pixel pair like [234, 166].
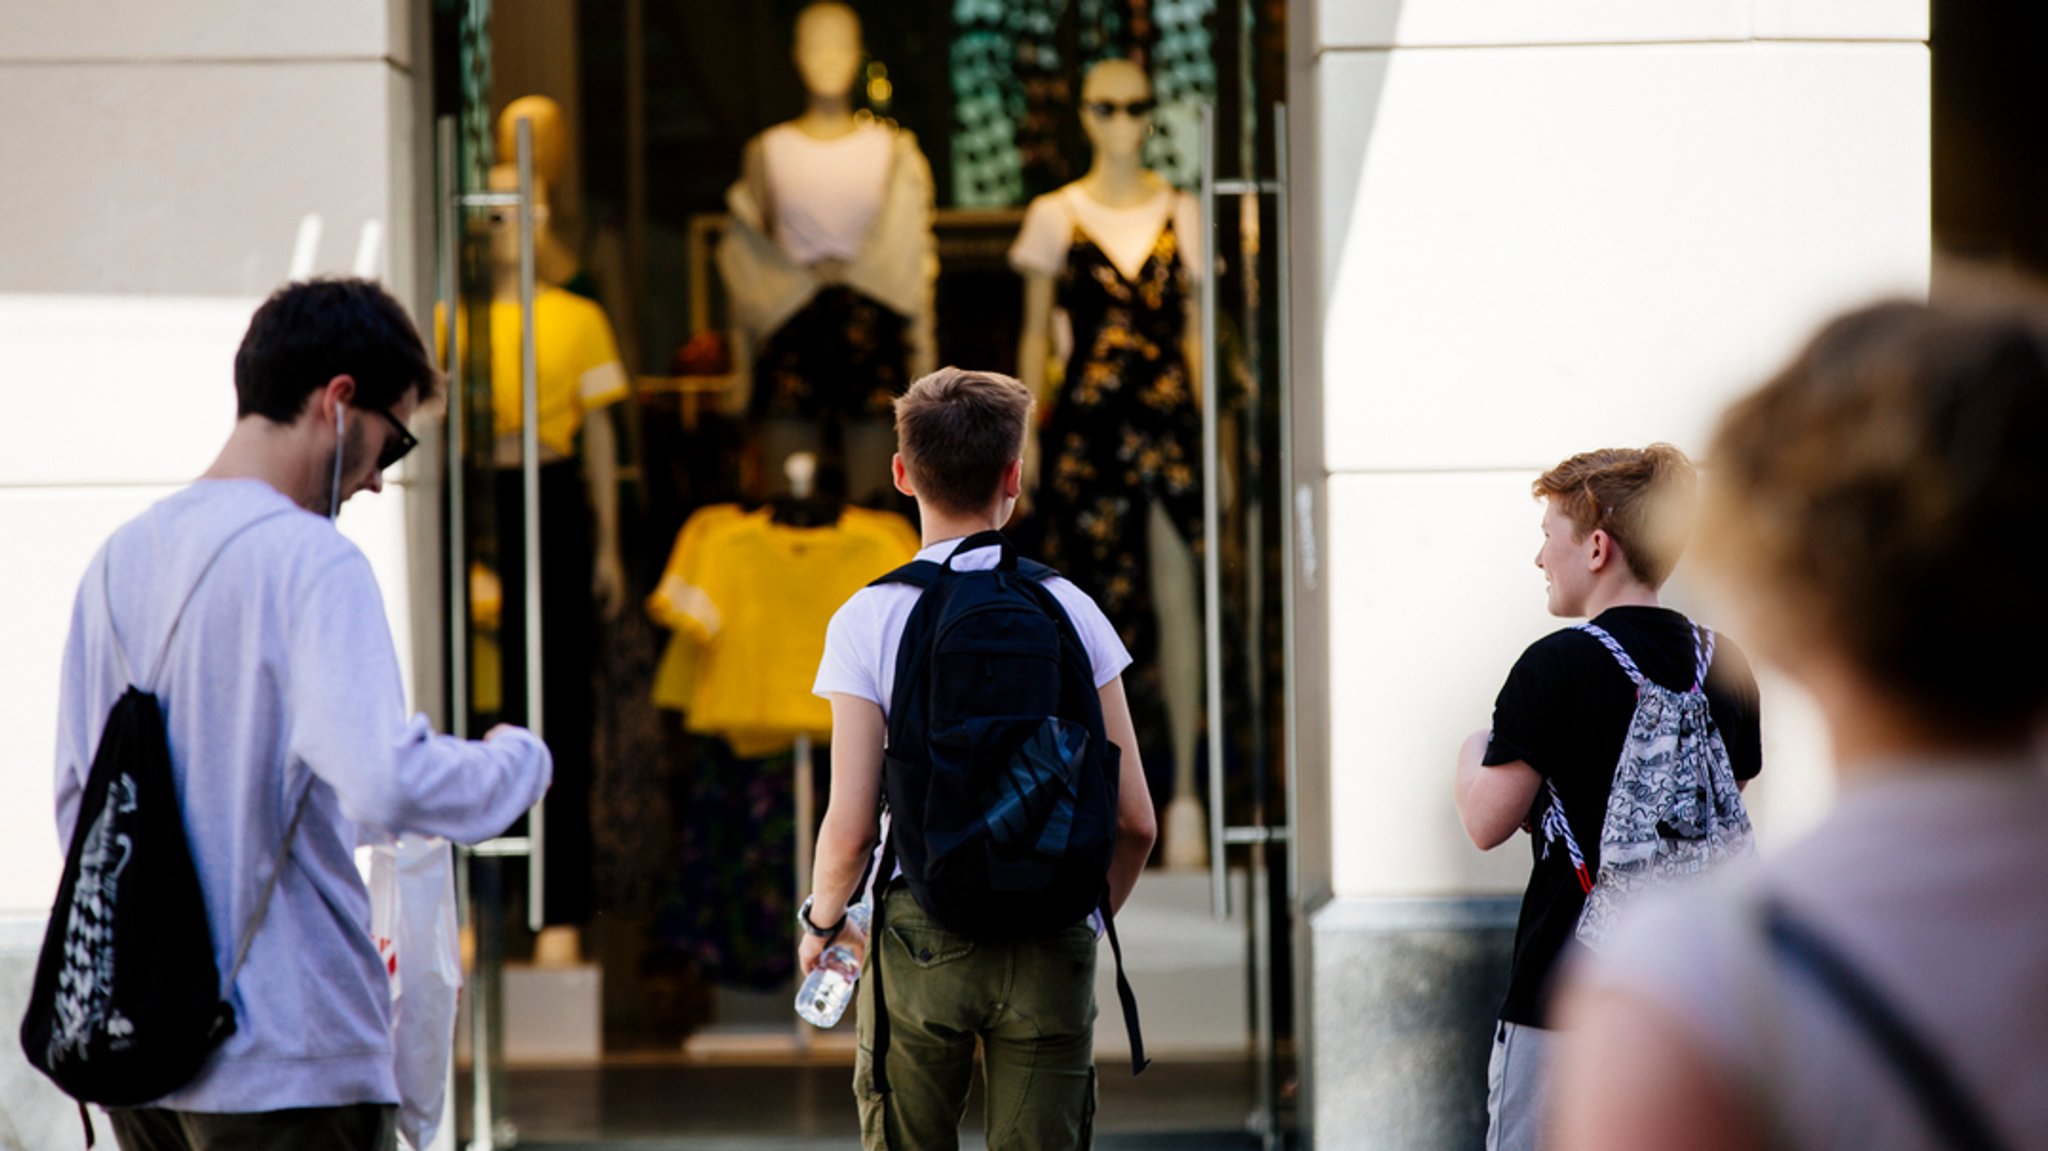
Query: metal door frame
[480, 910]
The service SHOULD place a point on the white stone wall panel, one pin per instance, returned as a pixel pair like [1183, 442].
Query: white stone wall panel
[1358, 24]
[1546, 249]
[50, 536]
[206, 30]
[191, 179]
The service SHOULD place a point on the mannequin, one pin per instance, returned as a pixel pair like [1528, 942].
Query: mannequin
[598, 425]
[593, 269]
[580, 380]
[830, 264]
[554, 260]
[1107, 263]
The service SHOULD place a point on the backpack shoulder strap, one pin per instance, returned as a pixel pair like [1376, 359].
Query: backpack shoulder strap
[885, 872]
[106, 589]
[920, 574]
[284, 851]
[913, 645]
[107, 601]
[1070, 635]
[1951, 1113]
[1126, 998]
[1704, 640]
[1033, 570]
[1613, 646]
[1557, 829]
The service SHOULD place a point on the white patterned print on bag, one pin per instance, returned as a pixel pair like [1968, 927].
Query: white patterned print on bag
[1674, 810]
[85, 985]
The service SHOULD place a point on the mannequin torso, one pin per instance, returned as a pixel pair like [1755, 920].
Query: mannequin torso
[831, 263]
[824, 193]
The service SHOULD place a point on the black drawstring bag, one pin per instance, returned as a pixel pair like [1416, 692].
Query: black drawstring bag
[128, 1001]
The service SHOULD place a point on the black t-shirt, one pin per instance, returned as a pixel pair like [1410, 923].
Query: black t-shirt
[1565, 711]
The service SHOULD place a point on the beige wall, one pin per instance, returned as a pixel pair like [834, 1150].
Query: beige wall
[168, 165]
[1543, 227]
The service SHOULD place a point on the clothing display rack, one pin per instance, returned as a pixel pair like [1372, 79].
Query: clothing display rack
[800, 470]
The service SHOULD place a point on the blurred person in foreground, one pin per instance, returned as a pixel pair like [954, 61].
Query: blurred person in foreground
[1571, 740]
[1880, 512]
[261, 630]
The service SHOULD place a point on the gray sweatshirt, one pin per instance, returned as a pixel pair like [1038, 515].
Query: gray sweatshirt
[282, 677]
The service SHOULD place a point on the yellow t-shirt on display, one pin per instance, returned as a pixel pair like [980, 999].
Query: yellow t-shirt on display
[577, 366]
[675, 679]
[891, 528]
[749, 600]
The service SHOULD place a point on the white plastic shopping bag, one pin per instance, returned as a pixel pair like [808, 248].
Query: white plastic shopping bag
[412, 918]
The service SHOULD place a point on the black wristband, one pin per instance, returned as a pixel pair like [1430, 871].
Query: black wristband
[828, 934]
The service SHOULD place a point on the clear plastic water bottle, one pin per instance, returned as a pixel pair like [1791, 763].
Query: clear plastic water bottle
[824, 996]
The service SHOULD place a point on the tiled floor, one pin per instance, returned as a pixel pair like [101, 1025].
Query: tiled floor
[692, 1107]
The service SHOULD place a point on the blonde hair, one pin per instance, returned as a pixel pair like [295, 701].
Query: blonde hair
[1886, 495]
[1643, 498]
[958, 432]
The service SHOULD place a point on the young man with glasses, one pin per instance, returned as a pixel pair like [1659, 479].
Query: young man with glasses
[261, 630]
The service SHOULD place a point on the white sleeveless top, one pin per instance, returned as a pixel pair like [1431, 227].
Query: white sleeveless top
[825, 193]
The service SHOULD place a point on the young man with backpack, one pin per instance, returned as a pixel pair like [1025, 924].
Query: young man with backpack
[1620, 745]
[981, 696]
[240, 646]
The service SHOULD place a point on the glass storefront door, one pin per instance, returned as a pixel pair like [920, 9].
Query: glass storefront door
[659, 117]
[470, 219]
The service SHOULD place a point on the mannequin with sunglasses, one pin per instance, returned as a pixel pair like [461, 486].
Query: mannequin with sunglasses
[580, 379]
[1109, 263]
[830, 263]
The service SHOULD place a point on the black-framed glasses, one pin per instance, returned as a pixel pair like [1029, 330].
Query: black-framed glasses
[399, 446]
[1135, 109]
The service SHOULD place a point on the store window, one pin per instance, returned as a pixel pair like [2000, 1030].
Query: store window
[681, 186]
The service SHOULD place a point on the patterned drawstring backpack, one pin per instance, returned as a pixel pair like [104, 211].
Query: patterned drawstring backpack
[1674, 810]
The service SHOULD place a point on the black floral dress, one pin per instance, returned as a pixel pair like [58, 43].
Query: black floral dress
[1123, 433]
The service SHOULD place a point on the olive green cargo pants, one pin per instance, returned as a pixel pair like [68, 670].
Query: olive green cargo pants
[1031, 1005]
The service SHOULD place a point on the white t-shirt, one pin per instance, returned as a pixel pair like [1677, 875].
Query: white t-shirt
[862, 640]
[1125, 235]
[1934, 882]
[826, 193]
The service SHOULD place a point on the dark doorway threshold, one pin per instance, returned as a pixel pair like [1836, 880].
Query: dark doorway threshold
[678, 1106]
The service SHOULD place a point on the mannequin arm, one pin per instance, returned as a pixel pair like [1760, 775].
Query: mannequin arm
[924, 342]
[1035, 345]
[1033, 349]
[754, 174]
[1191, 351]
[601, 474]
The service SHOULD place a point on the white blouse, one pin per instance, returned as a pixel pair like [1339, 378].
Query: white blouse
[825, 193]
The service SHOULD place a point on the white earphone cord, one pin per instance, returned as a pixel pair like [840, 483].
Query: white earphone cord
[334, 485]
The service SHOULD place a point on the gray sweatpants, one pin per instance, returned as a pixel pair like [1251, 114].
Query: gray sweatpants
[1514, 1087]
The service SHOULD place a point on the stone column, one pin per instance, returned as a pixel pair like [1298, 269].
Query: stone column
[1530, 229]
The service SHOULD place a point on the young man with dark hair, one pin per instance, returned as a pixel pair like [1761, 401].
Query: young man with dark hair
[300, 337]
[1030, 1002]
[261, 630]
[1614, 525]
